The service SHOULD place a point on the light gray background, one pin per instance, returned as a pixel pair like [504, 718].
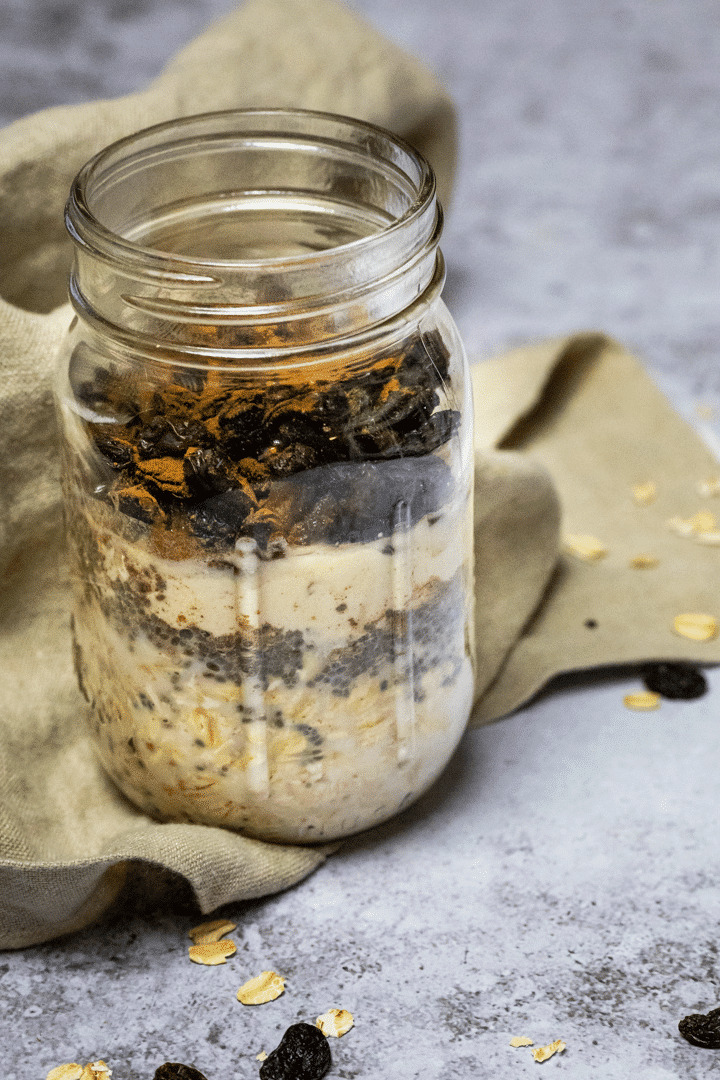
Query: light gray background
[561, 879]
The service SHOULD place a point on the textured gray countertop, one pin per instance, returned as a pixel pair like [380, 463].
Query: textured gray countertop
[561, 880]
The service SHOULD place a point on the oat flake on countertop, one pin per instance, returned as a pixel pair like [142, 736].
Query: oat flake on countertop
[696, 626]
[96, 1070]
[212, 953]
[264, 987]
[643, 699]
[587, 548]
[261, 1056]
[544, 1052]
[211, 931]
[521, 1040]
[65, 1072]
[335, 1022]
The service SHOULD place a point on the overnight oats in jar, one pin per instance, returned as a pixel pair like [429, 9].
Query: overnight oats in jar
[268, 467]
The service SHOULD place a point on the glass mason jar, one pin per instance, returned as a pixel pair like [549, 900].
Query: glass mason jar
[267, 466]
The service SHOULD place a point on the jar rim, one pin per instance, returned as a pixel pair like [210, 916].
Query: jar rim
[243, 360]
[89, 231]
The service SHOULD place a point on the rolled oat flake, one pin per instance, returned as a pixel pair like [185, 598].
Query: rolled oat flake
[696, 626]
[642, 701]
[212, 953]
[210, 932]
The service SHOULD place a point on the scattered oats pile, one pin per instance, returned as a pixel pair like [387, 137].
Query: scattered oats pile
[303, 1052]
[96, 1070]
[540, 1053]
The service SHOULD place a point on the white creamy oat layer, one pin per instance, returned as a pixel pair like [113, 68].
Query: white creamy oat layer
[284, 759]
[304, 589]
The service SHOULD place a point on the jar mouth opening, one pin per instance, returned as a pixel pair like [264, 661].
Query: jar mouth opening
[248, 359]
[95, 221]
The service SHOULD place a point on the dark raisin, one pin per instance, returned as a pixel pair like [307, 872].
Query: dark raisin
[701, 1029]
[170, 444]
[220, 519]
[150, 435]
[208, 472]
[173, 1070]
[334, 406]
[302, 1054]
[433, 434]
[437, 352]
[678, 681]
[138, 503]
[180, 436]
[291, 460]
[117, 452]
[240, 416]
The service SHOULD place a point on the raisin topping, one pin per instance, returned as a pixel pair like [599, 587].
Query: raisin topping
[302, 1054]
[221, 457]
[677, 681]
[702, 1029]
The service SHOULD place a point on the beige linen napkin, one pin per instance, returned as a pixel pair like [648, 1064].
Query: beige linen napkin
[67, 836]
[586, 409]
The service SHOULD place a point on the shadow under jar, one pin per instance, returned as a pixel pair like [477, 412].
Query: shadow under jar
[267, 469]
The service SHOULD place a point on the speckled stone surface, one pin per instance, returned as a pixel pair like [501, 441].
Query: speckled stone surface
[561, 881]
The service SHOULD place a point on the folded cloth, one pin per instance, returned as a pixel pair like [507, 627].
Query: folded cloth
[631, 475]
[580, 410]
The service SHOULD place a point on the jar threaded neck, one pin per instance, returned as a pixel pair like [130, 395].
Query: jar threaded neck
[277, 228]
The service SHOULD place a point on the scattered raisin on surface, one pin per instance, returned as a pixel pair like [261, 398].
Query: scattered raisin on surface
[678, 680]
[302, 1054]
[173, 1070]
[702, 1029]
